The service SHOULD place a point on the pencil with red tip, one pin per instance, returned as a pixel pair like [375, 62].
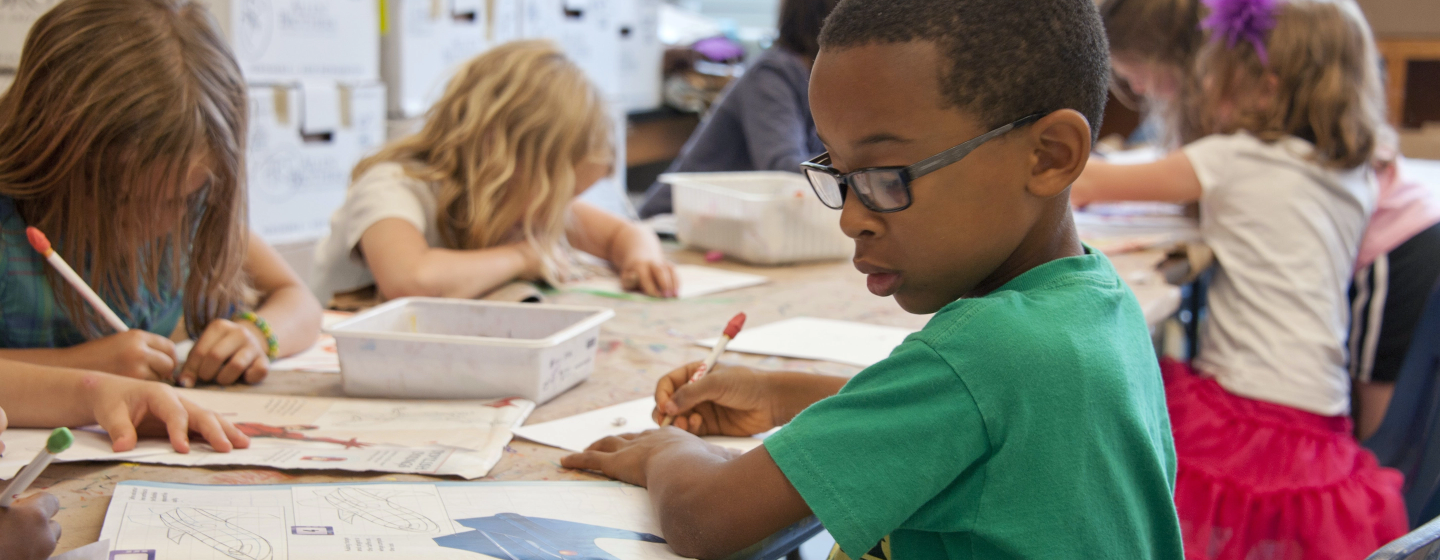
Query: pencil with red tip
[731, 329]
[42, 246]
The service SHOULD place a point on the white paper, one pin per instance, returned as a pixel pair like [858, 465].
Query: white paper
[575, 433]
[434, 521]
[461, 438]
[1136, 156]
[695, 281]
[845, 342]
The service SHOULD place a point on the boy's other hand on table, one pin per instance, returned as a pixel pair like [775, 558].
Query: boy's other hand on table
[27, 531]
[624, 457]
[728, 401]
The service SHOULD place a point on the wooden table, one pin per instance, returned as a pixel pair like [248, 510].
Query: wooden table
[645, 340]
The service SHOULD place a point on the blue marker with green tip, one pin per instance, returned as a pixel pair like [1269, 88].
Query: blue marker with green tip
[60, 440]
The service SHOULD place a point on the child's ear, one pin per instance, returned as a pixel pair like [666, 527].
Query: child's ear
[1061, 143]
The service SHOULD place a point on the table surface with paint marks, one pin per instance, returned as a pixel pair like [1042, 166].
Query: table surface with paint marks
[646, 339]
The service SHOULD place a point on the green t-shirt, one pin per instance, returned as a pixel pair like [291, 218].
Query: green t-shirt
[1029, 423]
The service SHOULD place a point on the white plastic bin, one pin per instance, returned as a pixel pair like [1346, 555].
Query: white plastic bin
[433, 348]
[760, 217]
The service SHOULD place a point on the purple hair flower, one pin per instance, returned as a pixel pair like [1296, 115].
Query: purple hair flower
[1242, 20]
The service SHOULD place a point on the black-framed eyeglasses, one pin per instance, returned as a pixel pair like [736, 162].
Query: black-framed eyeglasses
[887, 189]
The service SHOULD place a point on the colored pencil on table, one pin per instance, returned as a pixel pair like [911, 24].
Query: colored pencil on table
[731, 329]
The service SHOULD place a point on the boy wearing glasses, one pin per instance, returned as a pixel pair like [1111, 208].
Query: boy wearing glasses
[1027, 419]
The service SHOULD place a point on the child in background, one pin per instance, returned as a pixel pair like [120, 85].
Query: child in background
[762, 121]
[1153, 44]
[1268, 465]
[1027, 419]
[122, 139]
[34, 396]
[485, 193]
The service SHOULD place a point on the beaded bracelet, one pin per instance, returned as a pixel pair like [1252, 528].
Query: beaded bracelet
[272, 345]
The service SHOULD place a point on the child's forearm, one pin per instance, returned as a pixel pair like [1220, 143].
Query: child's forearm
[459, 274]
[631, 241]
[711, 504]
[43, 397]
[1171, 179]
[52, 357]
[793, 392]
[294, 316]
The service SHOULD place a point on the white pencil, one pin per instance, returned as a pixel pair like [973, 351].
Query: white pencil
[60, 440]
[42, 246]
[733, 328]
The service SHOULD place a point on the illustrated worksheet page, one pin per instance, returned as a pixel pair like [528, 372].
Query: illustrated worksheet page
[434, 521]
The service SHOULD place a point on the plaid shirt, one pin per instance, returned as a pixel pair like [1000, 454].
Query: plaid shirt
[29, 313]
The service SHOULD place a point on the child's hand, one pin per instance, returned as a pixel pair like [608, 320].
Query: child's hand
[729, 401]
[623, 457]
[225, 353]
[133, 353]
[26, 530]
[651, 275]
[126, 408]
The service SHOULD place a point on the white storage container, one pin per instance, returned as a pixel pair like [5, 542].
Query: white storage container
[760, 217]
[465, 349]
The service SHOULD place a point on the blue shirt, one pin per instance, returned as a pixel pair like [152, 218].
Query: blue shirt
[29, 312]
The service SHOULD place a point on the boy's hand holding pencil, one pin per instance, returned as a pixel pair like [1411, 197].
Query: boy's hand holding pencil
[729, 401]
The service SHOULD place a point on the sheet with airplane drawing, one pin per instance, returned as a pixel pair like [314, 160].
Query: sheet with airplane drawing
[435, 521]
[461, 438]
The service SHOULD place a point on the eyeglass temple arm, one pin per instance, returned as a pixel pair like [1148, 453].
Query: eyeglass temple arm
[952, 155]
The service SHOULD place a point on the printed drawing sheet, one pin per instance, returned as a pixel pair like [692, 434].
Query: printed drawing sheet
[461, 438]
[435, 521]
[695, 281]
[577, 432]
[845, 342]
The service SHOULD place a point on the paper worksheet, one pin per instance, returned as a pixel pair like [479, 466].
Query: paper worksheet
[845, 342]
[435, 521]
[575, 433]
[695, 281]
[461, 438]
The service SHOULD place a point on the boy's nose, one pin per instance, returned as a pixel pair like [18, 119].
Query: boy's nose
[857, 221]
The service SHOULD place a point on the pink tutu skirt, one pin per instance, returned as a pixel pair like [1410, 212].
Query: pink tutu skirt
[1264, 481]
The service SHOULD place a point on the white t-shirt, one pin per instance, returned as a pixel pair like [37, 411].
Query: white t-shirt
[385, 191]
[1286, 233]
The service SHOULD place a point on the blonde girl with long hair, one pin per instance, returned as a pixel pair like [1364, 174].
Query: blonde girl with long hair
[122, 138]
[1290, 107]
[485, 192]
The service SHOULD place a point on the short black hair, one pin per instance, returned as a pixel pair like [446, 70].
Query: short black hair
[800, 23]
[1005, 58]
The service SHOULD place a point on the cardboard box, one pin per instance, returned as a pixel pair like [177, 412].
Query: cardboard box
[304, 141]
[426, 41]
[641, 54]
[16, 18]
[289, 40]
[1403, 19]
[586, 30]
[1421, 143]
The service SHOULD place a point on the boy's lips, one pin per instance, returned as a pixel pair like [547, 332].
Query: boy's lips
[882, 282]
